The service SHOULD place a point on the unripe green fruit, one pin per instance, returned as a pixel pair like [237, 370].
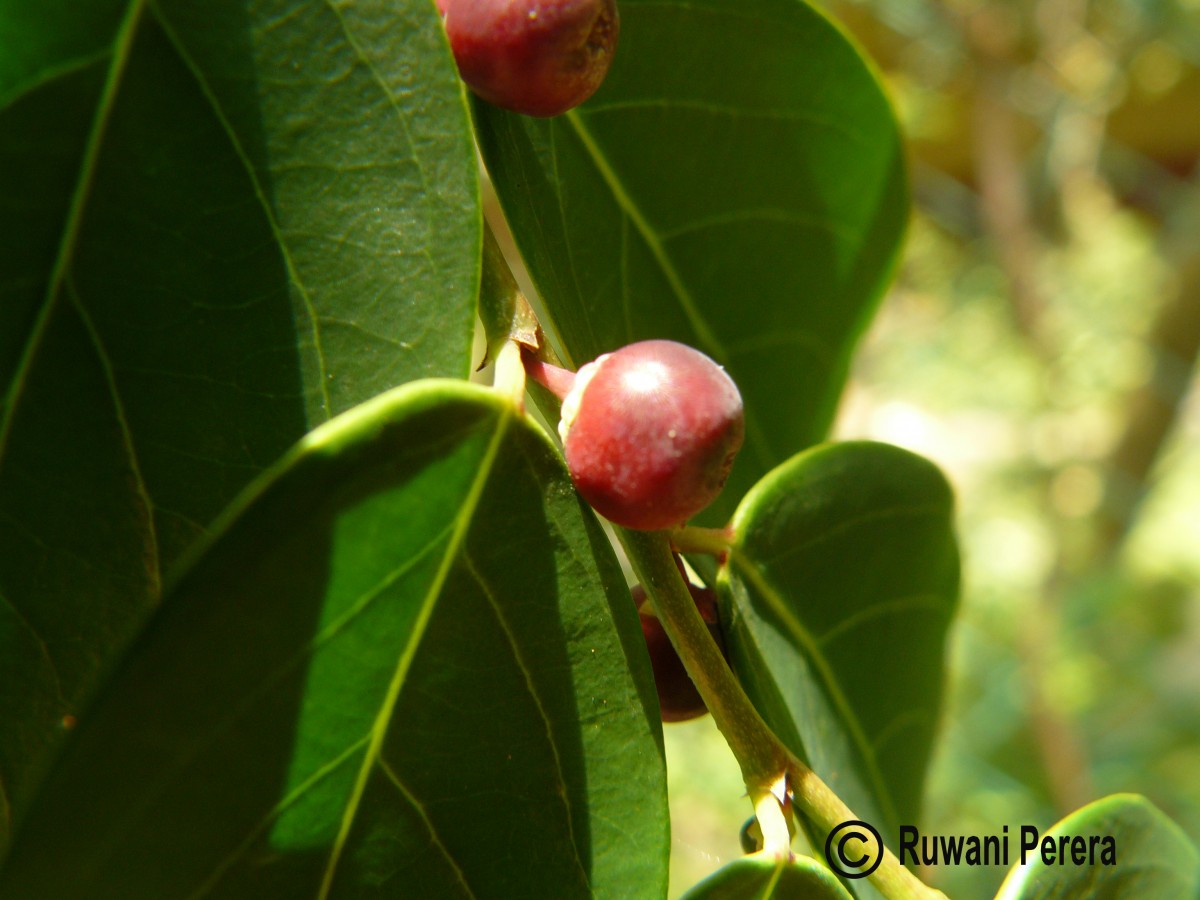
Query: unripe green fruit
[537, 57]
[650, 432]
[678, 699]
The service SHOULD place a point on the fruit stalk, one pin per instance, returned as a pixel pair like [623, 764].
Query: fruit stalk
[556, 380]
[761, 755]
[764, 760]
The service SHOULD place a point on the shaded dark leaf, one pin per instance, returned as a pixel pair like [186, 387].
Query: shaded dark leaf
[736, 184]
[354, 690]
[222, 223]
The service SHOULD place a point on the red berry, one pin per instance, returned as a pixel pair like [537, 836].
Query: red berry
[678, 699]
[537, 57]
[650, 432]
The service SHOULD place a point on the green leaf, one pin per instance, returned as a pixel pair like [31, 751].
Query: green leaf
[1154, 860]
[222, 223]
[737, 184]
[753, 878]
[839, 590]
[355, 691]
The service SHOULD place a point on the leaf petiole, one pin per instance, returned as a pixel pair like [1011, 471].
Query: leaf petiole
[696, 539]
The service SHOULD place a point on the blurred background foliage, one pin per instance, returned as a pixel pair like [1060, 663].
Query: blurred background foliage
[1039, 344]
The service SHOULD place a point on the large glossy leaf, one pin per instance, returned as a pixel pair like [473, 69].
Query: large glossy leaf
[220, 224]
[839, 591]
[1152, 857]
[355, 692]
[737, 184]
[763, 879]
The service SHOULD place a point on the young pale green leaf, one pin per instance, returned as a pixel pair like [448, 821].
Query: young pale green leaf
[1154, 860]
[222, 223]
[355, 692]
[736, 184]
[838, 594]
[764, 879]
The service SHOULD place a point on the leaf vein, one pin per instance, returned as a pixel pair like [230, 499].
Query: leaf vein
[278, 809]
[362, 603]
[63, 69]
[363, 58]
[708, 339]
[43, 646]
[263, 202]
[908, 719]
[649, 235]
[810, 647]
[926, 601]
[254, 695]
[626, 293]
[763, 214]
[121, 50]
[151, 558]
[733, 112]
[559, 195]
[89, 564]
[361, 329]
[462, 524]
[774, 339]
[433, 834]
[897, 512]
[535, 696]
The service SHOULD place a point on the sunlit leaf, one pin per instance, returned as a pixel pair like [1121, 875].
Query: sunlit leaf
[356, 690]
[764, 879]
[1152, 857]
[838, 592]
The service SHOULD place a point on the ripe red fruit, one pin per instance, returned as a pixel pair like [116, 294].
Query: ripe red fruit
[537, 57]
[678, 699]
[650, 432]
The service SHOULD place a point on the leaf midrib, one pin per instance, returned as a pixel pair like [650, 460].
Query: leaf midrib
[708, 339]
[214, 878]
[810, 646]
[121, 51]
[260, 195]
[530, 685]
[379, 729]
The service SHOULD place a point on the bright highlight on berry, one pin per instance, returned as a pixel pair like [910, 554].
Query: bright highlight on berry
[650, 432]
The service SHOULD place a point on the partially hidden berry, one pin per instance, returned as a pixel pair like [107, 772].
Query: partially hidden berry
[650, 432]
[678, 699]
[537, 57]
